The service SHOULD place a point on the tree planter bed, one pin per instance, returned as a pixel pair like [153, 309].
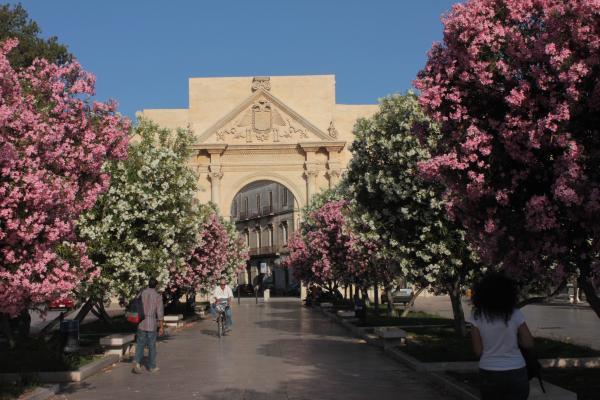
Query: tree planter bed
[62, 376]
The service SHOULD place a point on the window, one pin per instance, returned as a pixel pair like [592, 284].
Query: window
[271, 241]
[235, 207]
[247, 237]
[284, 196]
[246, 205]
[258, 238]
[258, 202]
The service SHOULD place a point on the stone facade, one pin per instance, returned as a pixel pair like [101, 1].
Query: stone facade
[285, 129]
[266, 215]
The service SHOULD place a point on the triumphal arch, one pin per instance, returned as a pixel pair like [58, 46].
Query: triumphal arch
[286, 129]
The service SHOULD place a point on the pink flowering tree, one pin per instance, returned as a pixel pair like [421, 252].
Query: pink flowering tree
[53, 144]
[515, 86]
[324, 244]
[237, 252]
[325, 251]
[218, 252]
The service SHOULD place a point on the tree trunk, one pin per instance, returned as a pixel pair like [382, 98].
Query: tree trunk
[365, 295]
[6, 329]
[591, 295]
[24, 323]
[351, 295]
[539, 299]
[409, 306]
[376, 297]
[84, 311]
[390, 301]
[457, 310]
[100, 312]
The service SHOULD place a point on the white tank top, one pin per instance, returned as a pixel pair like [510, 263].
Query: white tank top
[500, 342]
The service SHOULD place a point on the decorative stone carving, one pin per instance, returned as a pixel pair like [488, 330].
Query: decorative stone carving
[261, 82]
[215, 176]
[262, 122]
[334, 173]
[311, 173]
[332, 131]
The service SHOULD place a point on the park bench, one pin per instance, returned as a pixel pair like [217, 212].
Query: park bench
[390, 333]
[174, 321]
[346, 313]
[120, 344]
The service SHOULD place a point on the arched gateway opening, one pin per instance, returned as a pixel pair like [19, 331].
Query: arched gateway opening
[266, 213]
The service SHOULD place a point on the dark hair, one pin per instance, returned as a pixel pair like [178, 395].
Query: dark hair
[152, 283]
[494, 297]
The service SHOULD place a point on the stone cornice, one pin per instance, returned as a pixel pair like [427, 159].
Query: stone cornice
[329, 145]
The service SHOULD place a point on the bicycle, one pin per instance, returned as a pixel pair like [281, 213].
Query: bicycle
[221, 308]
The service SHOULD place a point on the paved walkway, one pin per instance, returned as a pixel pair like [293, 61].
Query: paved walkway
[576, 324]
[278, 350]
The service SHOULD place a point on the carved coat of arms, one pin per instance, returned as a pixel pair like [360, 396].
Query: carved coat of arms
[262, 116]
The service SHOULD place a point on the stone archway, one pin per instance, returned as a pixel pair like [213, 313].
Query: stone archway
[288, 129]
[266, 214]
[229, 191]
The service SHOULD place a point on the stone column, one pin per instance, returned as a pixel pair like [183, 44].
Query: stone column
[215, 171]
[334, 177]
[311, 183]
[215, 174]
[334, 165]
[310, 168]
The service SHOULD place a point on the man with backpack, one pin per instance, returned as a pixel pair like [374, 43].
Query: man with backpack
[153, 313]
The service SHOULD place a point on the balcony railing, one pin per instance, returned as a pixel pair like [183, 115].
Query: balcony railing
[264, 212]
[264, 250]
[267, 210]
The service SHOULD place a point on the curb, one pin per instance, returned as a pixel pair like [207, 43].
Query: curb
[455, 388]
[41, 393]
[63, 376]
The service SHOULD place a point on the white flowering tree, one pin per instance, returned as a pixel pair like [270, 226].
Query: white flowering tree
[147, 224]
[404, 213]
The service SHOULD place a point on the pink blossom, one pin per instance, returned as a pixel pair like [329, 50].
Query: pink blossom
[52, 148]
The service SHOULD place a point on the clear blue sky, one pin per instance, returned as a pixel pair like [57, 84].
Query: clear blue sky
[143, 52]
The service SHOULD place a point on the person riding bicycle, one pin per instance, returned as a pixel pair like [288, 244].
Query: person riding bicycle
[222, 294]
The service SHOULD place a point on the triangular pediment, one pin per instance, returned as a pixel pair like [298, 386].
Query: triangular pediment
[262, 118]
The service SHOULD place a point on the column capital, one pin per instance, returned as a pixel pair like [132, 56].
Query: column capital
[311, 173]
[215, 175]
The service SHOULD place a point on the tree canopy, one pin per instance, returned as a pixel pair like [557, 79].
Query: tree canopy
[15, 23]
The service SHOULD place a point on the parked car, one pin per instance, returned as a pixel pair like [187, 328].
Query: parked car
[61, 304]
[399, 296]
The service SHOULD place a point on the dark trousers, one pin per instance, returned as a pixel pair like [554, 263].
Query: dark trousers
[504, 385]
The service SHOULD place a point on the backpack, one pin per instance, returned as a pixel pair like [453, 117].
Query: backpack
[135, 310]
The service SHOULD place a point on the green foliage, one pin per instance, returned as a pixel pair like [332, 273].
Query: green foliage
[395, 206]
[148, 221]
[15, 23]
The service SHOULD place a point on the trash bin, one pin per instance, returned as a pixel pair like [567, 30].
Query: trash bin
[69, 335]
[360, 311]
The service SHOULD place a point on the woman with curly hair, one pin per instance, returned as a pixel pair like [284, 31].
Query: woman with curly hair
[499, 328]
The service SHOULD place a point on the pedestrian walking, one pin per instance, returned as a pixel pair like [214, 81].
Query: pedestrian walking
[146, 333]
[499, 329]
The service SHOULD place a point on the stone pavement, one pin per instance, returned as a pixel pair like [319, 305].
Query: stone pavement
[277, 350]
